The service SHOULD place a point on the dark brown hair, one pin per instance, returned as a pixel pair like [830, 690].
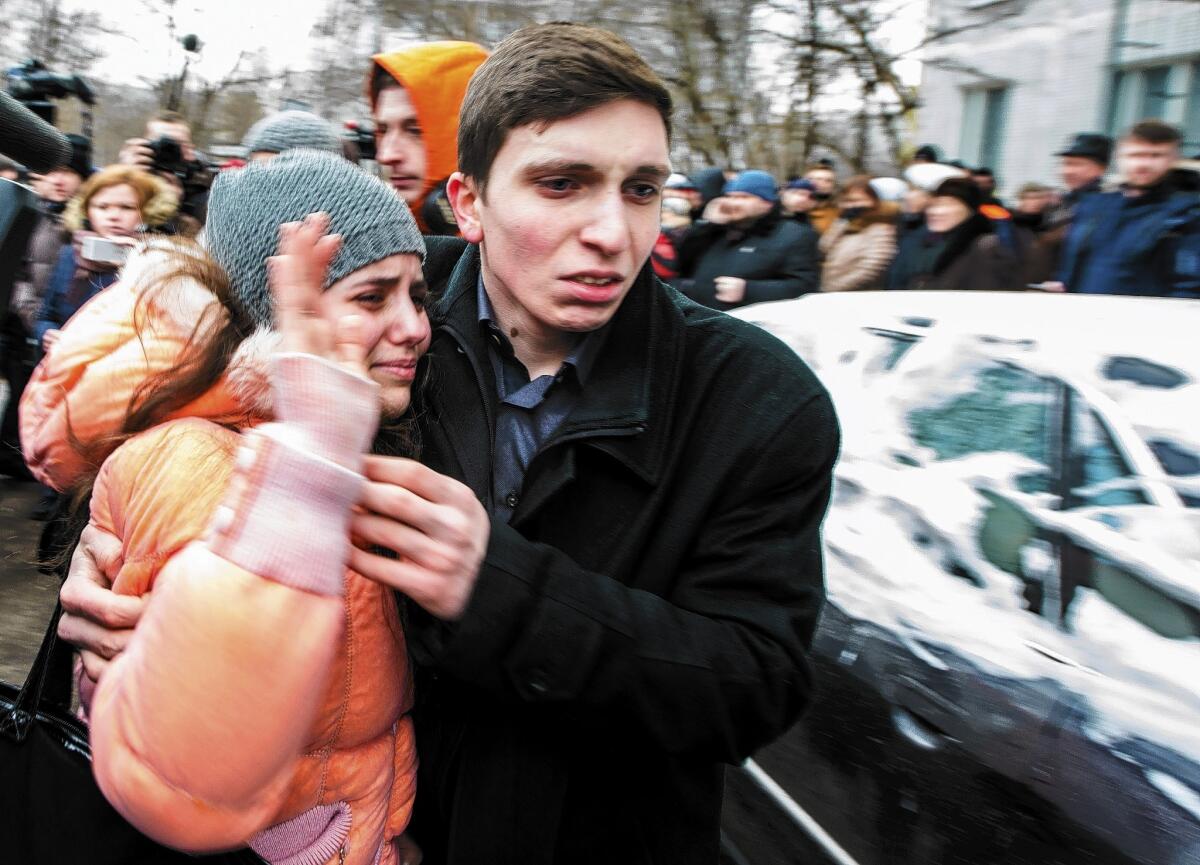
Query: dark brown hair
[1154, 132]
[381, 80]
[861, 183]
[548, 72]
[205, 357]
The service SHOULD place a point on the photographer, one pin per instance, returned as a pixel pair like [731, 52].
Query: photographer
[168, 152]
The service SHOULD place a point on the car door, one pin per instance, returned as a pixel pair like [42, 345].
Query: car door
[1126, 769]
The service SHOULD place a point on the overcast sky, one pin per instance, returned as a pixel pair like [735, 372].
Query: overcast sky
[281, 28]
[226, 27]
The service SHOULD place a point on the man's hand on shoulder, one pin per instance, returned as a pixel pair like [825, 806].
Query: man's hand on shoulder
[436, 527]
[95, 619]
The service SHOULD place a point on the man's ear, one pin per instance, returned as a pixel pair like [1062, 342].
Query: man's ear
[464, 197]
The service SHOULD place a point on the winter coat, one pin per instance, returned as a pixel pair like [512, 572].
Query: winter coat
[857, 253]
[215, 633]
[646, 614]
[1045, 258]
[1144, 245]
[70, 286]
[435, 76]
[971, 257]
[824, 215]
[41, 255]
[776, 256]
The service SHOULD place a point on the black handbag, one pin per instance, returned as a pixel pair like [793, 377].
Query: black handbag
[51, 810]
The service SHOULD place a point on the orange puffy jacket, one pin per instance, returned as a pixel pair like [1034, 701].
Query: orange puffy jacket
[194, 727]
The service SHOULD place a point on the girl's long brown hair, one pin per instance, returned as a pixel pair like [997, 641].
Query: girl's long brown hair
[205, 358]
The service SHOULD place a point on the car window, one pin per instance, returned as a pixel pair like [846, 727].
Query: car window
[1139, 599]
[1098, 474]
[1007, 409]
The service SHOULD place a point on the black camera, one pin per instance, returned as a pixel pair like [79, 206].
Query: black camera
[168, 157]
[362, 137]
[33, 85]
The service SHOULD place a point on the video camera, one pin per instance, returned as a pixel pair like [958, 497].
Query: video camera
[33, 85]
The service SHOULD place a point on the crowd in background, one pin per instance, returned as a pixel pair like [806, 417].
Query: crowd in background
[1124, 218]
[730, 239]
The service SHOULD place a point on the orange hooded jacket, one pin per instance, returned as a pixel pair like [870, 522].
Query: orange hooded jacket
[194, 727]
[436, 75]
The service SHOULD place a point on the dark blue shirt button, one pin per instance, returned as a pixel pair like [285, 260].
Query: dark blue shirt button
[511, 499]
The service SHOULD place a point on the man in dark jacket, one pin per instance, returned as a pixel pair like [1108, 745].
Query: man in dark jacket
[1143, 239]
[744, 250]
[655, 472]
[637, 481]
[54, 188]
[1082, 166]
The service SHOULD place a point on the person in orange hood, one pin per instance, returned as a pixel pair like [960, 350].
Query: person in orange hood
[415, 95]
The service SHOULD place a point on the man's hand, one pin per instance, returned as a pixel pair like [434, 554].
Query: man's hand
[95, 619]
[49, 338]
[716, 211]
[435, 525]
[730, 289]
[136, 151]
[1054, 287]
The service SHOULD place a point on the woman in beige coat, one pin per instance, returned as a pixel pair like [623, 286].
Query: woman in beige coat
[858, 248]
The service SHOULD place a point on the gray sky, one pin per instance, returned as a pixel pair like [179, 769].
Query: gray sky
[226, 27]
[281, 28]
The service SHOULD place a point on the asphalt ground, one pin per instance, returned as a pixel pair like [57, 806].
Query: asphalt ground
[26, 596]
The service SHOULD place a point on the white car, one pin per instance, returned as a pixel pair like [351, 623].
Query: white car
[1010, 654]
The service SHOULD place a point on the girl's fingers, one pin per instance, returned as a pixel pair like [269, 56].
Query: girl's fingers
[350, 348]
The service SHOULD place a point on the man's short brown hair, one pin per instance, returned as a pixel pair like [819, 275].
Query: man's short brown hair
[1154, 132]
[168, 116]
[548, 72]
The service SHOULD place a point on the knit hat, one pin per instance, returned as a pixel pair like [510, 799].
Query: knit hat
[288, 130]
[802, 183]
[928, 175]
[754, 182]
[247, 206]
[962, 188]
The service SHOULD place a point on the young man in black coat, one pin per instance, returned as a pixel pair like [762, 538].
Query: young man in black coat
[745, 251]
[611, 558]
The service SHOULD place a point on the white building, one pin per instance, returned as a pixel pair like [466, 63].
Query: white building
[1023, 76]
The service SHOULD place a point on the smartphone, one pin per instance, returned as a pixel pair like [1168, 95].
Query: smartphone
[99, 249]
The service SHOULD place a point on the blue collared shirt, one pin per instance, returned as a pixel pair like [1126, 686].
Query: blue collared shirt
[530, 410]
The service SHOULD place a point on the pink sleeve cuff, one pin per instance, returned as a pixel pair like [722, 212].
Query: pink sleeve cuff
[289, 520]
[323, 408]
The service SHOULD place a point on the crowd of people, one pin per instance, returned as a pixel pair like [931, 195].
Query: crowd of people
[422, 503]
[743, 239]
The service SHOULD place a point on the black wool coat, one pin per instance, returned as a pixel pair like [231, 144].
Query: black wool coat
[777, 256]
[646, 615]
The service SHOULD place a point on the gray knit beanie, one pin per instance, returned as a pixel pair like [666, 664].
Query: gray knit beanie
[288, 130]
[247, 205]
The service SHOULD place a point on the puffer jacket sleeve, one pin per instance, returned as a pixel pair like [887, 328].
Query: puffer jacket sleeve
[197, 728]
[79, 394]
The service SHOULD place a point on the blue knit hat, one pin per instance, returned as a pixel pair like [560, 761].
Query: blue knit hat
[758, 183]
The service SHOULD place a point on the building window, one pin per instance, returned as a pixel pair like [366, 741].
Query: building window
[1166, 92]
[1191, 127]
[985, 112]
